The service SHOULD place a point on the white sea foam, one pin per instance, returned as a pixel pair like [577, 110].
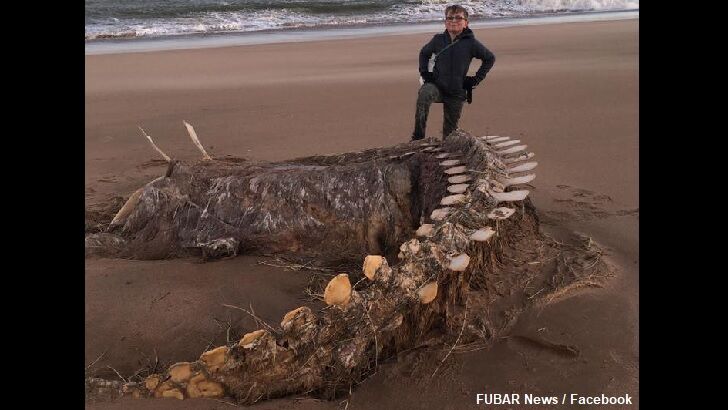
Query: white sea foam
[249, 20]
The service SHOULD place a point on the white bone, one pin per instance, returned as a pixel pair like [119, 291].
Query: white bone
[510, 196]
[453, 199]
[521, 157]
[482, 235]
[523, 167]
[506, 144]
[501, 213]
[459, 179]
[512, 150]
[457, 189]
[450, 162]
[443, 155]
[456, 170]
[497, 139]
[424, 230]
[518, 180]
[459, 263]
[440, 213]
[166, 158]
[196, 141]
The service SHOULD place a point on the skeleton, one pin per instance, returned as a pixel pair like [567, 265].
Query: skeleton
[417, 222]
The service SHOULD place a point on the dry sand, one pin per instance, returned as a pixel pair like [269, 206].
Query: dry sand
[570, 91]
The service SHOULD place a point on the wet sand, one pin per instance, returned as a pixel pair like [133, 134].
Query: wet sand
[569, 91]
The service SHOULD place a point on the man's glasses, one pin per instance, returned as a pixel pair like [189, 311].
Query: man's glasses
[455, 18]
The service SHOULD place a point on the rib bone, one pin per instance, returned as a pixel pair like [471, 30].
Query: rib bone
[512, 150]
[456, 170]
[457, 189]
[458, 179]
[482, 235]
[166, 158]
[523, 167]
[450, 162]
[453, 199]
[518, 180]
[506, 143]
[196, 141]
[510, 196]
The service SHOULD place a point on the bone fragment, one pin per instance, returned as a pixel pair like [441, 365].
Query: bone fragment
[443, 155]
[180, 372]
[496, 139]
[521, 157]
[173, 393]
[199, 386]
[501, 213]
[458, 179]
[214, 359]
[427, 293]
[424, 230]
[450, 162]
[165, 156]
[506, 144]
[129, 206]
[440, 213]
[456, 170]
[453, 199]
[457, 189]
[338, 291]
[482, 235]
[512, 150]
[248, 341]
[510, 196]
[196, 141]
[523, 167]
[459, 263]
[518, 180]
[371, 264]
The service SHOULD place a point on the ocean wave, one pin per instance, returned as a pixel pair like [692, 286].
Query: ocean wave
[256, 15]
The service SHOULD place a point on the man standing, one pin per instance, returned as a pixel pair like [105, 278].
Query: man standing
[448, 83]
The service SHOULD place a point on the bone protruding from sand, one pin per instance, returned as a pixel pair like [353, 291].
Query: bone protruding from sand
[165, 156]
[129, 206]
[196, 141]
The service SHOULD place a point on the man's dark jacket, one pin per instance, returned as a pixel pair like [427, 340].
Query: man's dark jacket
[452, 65]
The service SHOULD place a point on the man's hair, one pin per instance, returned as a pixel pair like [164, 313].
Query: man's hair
[456, 8]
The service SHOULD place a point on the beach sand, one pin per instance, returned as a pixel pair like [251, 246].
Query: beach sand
[569, 91]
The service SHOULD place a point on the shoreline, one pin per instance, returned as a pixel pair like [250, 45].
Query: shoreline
[218, 40]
